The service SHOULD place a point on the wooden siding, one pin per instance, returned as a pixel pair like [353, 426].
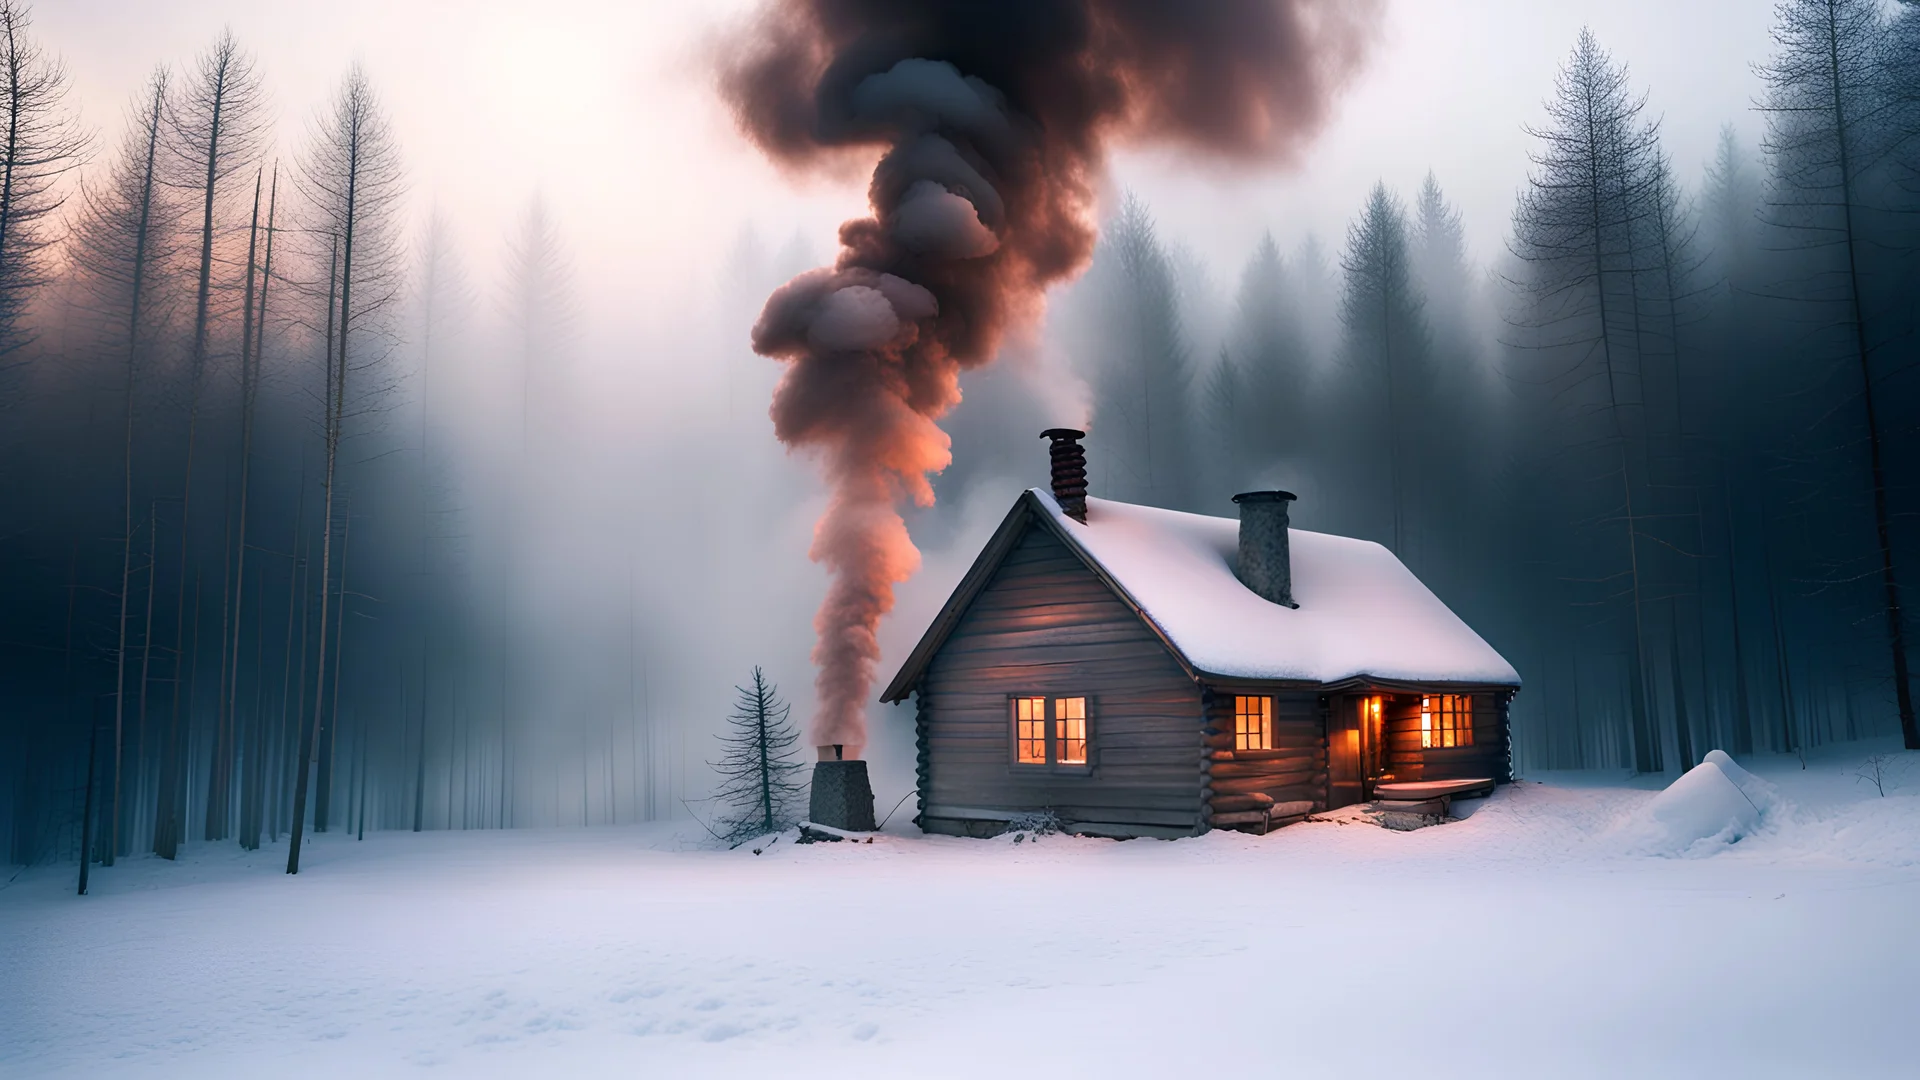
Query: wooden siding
[1295, 770]
[1046, 625]
[1489, 756]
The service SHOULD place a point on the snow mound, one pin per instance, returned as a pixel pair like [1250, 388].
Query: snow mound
[1698, 814]
[1764, 796]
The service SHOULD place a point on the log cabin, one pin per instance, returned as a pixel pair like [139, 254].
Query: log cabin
[1132, 671]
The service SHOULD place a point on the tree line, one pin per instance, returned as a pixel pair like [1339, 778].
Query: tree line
[1660, 449]
[237, 533]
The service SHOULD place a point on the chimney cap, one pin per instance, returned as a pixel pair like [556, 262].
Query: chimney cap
[1265, 496]
[1063, 433]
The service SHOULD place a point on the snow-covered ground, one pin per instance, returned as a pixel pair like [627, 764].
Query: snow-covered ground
[1528, 940]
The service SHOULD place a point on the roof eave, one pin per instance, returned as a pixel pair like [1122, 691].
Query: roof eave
[1026, 511]
[1012, 527]
[1364, 681]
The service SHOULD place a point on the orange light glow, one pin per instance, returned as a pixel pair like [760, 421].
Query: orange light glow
[1253, 723]
[1070, 730]
[1446, 720]
[1030, 735]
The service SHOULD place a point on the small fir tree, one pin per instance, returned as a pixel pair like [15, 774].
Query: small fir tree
[759, 786]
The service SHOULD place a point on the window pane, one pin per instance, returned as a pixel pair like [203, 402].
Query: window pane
[1426, 721]
[1030, 730]
[1252, 723]
[1070, 731]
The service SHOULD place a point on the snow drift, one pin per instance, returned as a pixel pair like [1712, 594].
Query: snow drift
[1712, 805]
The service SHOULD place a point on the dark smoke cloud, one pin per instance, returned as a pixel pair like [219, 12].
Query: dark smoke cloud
[993, 117]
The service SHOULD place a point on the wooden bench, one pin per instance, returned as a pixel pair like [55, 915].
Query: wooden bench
[1423, 790]
[1265, 817]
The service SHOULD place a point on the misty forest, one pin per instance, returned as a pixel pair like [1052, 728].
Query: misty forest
[310, 522]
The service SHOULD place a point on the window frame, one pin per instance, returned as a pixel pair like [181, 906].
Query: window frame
[1446, 721]
[1053, 732]
[1242, 714]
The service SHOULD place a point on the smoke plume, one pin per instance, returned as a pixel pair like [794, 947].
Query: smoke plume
[992, 118]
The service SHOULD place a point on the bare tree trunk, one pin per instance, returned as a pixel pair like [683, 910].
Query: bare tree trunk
[1682, 723]
[257, 334]
[1896, 624]
[455, 755]
[252, 777]
[202, 297]
[86, 812]
[633, 712]
[86, 820]
[146, 640]
[360, 812]
[303, 748]
[309, 735]
[324, 795]
[249, 391]
[215, 826]
[1742, 721]
[1789, 742]
[135, 298]
[1645, 751]
[294, 567]
[172, 785]
[216, 124]
[192, 662]
[420, 759]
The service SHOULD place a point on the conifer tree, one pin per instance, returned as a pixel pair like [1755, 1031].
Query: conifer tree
[758, 771]
[1386, 338]
[351, 177]
[1142, 431]
[1256, 390]
[1576, 236]
[40, 142]
[1440, 255]
[121, 246]
[1899, 63]
[1827, 123]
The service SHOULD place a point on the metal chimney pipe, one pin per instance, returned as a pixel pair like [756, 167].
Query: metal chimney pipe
[1069, 471]
[1266, 556]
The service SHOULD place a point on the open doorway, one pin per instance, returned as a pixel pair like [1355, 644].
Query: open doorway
[1356, 748]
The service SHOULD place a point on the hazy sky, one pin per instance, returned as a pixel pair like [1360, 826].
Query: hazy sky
[606, 108]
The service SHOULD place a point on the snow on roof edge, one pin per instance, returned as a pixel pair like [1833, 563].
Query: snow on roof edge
[1363, 615]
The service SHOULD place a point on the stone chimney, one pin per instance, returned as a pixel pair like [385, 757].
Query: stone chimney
[1070, 471]
[1266, 557]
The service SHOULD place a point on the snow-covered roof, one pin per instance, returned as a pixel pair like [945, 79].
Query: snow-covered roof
[1362, 612]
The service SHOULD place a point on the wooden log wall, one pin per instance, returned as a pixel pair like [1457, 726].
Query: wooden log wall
[922, 756]
[1045, 625]
[1491, 754]
[1293, 771]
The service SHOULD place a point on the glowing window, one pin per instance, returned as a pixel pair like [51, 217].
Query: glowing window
[1070, 731]
[1253, 723]
[1446, 720]
[1030, 729]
